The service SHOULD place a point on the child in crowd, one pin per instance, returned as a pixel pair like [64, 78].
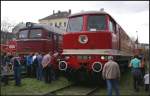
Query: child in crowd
[146, 81]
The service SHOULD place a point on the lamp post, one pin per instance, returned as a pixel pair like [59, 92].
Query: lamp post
[137, 38]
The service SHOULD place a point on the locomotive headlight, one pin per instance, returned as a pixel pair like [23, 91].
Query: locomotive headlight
[58, 60]
[102, 57]
[29, 24]
[83, 39]
[67, 57]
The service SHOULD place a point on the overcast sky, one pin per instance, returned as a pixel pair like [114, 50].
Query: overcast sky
[131, 15]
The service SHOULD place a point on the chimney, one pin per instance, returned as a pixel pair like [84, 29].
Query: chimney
[53, 11]
[59, 11]
[69, 11]
[102, 9]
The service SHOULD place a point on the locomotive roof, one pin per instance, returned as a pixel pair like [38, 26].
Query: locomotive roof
[44, 26]
[88, 12]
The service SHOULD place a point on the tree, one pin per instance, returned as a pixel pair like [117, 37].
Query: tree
[6, 29]
[6, 26]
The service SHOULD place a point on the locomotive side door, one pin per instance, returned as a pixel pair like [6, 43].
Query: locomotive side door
[118, 36]
[112, 28]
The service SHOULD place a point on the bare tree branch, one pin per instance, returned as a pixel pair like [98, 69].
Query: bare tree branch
[6, 26]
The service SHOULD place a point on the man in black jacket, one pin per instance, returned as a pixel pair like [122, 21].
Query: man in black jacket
[17, 69]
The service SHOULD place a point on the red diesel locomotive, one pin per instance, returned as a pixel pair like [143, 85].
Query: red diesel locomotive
[90, 38]
[34, 37]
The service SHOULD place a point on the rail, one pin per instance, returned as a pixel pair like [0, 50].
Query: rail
[73, 89]
[53, 92]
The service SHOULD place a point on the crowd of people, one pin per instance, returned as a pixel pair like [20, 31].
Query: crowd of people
[111, 73]
[40, 66]
[36, 65]
[140, 77]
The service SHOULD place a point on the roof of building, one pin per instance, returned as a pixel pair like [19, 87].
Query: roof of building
[59, 14]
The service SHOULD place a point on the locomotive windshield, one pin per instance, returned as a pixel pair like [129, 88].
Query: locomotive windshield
[23, 34]
[96, 22]
[75, 24]
[35, 33]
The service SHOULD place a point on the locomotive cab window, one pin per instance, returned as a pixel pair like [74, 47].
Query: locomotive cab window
[35, 33]
[96, 22]
[75, 24]
[50, 35]
[112, 27]
[60, 38]
[55, 37]
[23, 34]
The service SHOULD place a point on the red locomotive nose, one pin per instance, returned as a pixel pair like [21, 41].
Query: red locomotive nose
[94, 40]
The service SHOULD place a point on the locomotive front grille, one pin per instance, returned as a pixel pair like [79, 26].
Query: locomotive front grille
[83, 65]
[83, 57]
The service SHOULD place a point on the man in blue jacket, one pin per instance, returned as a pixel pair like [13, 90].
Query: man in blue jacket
[29, 63]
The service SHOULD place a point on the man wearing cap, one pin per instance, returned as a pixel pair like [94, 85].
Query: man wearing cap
[111, 73]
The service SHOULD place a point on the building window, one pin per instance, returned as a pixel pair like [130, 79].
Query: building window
[51, 24]
[59, 23]
[55, 24]
[64, 24]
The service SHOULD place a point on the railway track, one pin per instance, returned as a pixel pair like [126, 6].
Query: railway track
[92, 91]
[53, 92]
[74, 89]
